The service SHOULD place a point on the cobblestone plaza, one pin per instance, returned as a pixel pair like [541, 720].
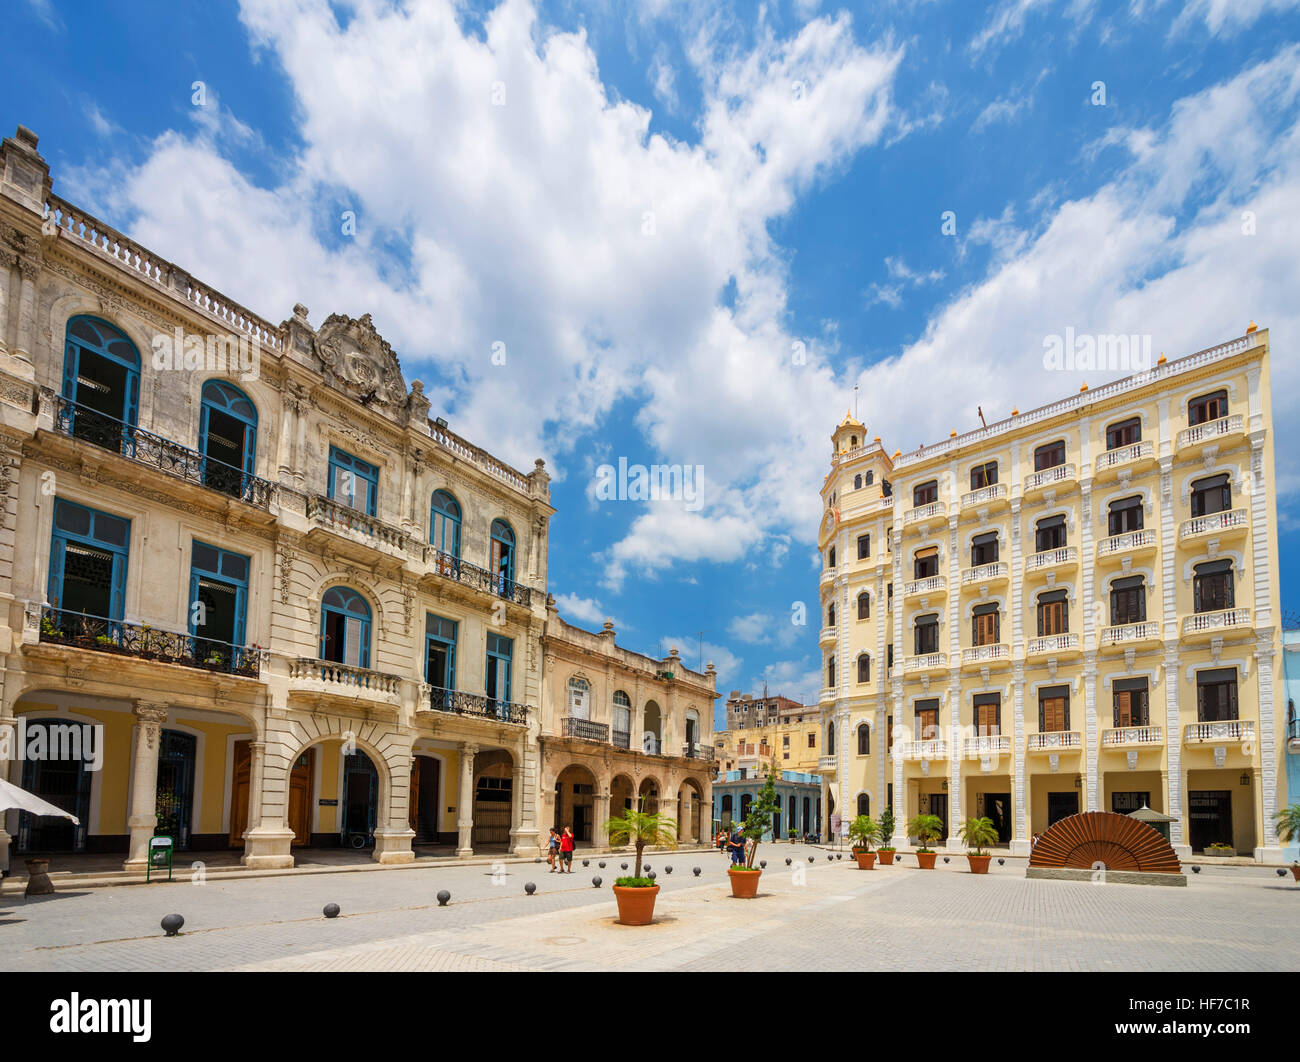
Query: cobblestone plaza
[830, 917]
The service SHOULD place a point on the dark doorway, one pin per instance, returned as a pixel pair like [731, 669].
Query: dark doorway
[1061, 806]
[1209, 817]
[426, 778]
[360, 800]
[939, 806]
[175, 800]
[997, 809]
[65, 783]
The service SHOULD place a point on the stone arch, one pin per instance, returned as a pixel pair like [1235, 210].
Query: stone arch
[650, 793]
[492, 769]
[1116, 842]
[576, 786]
[690, 813]
[391, 758]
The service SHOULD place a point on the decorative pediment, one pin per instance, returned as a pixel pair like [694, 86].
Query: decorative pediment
[358, 361]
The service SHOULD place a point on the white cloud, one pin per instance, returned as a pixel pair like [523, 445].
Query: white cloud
[728, 664]
[583, 610]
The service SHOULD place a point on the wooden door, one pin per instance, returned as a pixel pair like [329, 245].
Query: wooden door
[241, 775]
[413, 798]
[300, 798]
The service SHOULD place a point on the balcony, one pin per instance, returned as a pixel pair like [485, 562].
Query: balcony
[1293, 735]
[827, 635]
[1130, 635]
[355, 533]
[1219, 732]
[925, 664]
[585, 729]
[932, 584]
[1228, 524]
[1129, 544]
[1205, 625]
[923, 750]
[1050, 479]
[1136, 457]
[976, 656]
[1128, 736]
[143, 642]
[699, 751]
[994, 497]
[620, 739]
[1054, 741]
[1053, 645]
[825, 764]
[1052, 560]
[445, 566]
[986, 574]
[470, 705]
[929, 511]
[1227, 429]
[987, 745]
[827, 577]
[153, 451]
[327, 678]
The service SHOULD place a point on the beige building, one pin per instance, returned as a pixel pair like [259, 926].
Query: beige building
[240, 559]
[765, 731]
[621, 730]
[1072, 609]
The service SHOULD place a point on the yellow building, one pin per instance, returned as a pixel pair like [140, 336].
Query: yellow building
[768, 730]
[1072, 609]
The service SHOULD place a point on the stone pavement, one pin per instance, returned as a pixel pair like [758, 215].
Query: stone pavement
[831, 917]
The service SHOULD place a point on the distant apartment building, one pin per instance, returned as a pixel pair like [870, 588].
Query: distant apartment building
[768, 730]
[1072, 609]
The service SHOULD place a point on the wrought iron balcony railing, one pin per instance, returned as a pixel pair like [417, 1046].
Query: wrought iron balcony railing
[699, 751]
[461, 703]
[585, 729]
[82, 631]
[472, 575]
[81, 422]
[621, 739]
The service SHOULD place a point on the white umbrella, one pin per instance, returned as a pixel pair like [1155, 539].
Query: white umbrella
[14, 799]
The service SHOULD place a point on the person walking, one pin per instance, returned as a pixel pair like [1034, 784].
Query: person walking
[736, 844]
[553, 849]
[566, 850]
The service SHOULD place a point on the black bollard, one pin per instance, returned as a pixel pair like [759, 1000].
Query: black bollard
[443, 897]
[530, 887]
[596, 882]
[172, 924]
[695, 871]
[331, 910]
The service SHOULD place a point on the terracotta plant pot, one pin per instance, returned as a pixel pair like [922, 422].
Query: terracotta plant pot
[866, 860]
[1295, 873]
[979, 864]
[744, 883]
[886, 856]
[636, 906]
[925, 860]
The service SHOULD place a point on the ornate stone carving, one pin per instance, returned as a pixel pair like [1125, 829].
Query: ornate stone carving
[358, 361]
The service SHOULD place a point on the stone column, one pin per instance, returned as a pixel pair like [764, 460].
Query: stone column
[6, 271]
[267, 843]
[8, 735]
[465, 802]
[599, 838]
[393, 833]
[144, 782]
[26, 309]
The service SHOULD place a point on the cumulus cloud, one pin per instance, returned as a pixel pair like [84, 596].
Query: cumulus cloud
[583, 610]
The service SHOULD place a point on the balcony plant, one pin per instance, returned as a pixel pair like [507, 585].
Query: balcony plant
[744, 879]
[886, 850]
[866, 831]
[979, 834]
[1288, 829]
[926, 829]
[635, 894]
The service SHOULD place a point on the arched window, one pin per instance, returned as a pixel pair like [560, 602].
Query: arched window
[692, 728]
[864, 740]
[857, 482]
[622, 719]
[227, 438]
[864, 804]
[579, 698]
[830, 739]
[830, 671]
[830, 616]
[444, 525]
[345, 627]
[101, 384]
[864, 668]
[831, 558]
[870, 477]
[864, 605]
[503, 558]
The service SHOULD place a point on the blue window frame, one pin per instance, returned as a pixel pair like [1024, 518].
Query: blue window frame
[444, 524]
[101, 377]
[88, 562]
[503, 557]
[218, 594]
[500, 650]
[227, 437]
[440, 652]
[353, 482]
[345, 627]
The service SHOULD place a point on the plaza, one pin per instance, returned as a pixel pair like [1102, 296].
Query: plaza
[830, 917]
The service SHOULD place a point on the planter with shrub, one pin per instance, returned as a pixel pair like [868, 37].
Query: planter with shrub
[927, 829]
[635, 894]
[979, 834]
[865, 831]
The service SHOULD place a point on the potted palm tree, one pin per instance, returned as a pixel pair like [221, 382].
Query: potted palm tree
[926, 829]
[886, 849]
[978, 834]
[1288, 829]
[865, 831]
[744, 876]
[635, 894]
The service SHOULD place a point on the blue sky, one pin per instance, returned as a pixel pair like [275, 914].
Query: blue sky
[654, 205]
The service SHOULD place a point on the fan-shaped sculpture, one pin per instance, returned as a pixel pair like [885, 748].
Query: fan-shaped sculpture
[1117, 841]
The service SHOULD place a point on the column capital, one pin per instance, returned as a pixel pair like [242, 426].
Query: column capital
[151, 711]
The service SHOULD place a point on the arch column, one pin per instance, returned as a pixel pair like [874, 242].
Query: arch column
[26, 309]
[465, 801]
[393, 838]
[8, 736]
[267, 842]
[599, 838]
[144, 782]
